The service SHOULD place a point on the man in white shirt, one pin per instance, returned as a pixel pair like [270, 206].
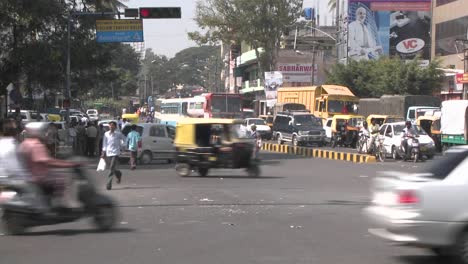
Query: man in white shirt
[111, 149]
[362, 43]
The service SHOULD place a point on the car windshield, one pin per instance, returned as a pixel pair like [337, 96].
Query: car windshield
[306, 120]
[399, 129]
[92, 112]
[257, 122]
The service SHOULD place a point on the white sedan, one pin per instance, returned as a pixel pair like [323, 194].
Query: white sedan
[262, 128]
[391, 132]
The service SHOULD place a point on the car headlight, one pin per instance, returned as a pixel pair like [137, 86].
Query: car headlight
[431, 144]
[303, 133]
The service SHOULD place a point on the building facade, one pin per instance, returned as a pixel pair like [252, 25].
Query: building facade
[450, 23]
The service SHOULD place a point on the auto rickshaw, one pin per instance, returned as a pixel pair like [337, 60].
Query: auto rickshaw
[204, 144]
[431, 124]
[54, 118]
[382, 119]
[345, 130]
[132, 118]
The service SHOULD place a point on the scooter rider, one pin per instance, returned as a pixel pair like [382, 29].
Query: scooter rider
[39, 162]
[408, 132]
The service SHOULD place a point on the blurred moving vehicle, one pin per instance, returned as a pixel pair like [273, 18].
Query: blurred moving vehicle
[20, 211]
[426, 209]
[205, 144]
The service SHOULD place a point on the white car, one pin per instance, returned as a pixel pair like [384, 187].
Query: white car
[156, 142]
[426, 209]
[262, 128]
[92, 114]
[391, 132]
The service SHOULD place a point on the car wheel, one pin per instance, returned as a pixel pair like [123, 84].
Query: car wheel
[105, 217]
[146, 158]
[395, 155]
[279, 139]
[13, 223]
[294, 142]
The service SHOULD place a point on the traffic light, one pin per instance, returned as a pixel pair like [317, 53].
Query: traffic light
[160, 12]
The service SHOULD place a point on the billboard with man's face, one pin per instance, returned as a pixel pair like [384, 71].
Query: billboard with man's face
[392, 28]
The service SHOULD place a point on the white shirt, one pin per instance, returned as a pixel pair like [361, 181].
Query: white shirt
[111, 143]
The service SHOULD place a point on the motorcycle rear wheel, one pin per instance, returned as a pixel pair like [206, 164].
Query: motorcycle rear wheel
[105, 217]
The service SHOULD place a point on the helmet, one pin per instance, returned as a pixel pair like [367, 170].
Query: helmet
[36, 129]
[254, 127]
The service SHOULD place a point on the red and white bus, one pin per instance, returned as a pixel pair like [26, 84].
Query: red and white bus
[222, 105]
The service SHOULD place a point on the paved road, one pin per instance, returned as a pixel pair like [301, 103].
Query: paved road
[301, 211]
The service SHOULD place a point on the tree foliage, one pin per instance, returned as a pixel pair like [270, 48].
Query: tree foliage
[260, 24]
[33, 49]
[387, 76]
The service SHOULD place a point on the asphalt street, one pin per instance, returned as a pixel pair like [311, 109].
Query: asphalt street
[300, 211]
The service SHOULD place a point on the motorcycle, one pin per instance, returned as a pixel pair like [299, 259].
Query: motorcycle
[414, 152]
[21, 212]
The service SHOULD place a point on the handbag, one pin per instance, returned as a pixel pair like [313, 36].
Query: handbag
[101, 165]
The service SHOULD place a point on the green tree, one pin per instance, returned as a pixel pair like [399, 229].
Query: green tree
[259, 24]
[387, 76]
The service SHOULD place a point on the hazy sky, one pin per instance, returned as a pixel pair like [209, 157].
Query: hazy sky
[169, 36]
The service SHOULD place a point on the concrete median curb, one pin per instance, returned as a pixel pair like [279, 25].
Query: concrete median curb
[319, 153]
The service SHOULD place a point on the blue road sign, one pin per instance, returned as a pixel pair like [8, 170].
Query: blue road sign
[119, 36]
[124, 30]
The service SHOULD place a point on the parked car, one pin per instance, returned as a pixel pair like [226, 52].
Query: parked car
[156, 142]
[426, 209]
[299, 128]
[392, 139]
[28, 116]
[262, 128]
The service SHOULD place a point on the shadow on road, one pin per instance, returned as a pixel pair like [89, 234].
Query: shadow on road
[236, 177]
[71, 232]
[429, 259]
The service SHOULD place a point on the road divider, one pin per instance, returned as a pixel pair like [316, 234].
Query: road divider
[319, 153]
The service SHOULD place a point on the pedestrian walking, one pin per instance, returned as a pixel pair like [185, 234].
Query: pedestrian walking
[132, 144]
[111, 151]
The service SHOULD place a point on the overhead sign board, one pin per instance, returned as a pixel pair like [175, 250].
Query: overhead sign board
[119, 30]
[462, 77]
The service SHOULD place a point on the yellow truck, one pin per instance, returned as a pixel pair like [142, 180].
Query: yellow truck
[323, 101]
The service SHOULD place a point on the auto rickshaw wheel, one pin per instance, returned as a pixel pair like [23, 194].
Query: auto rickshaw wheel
[183, 169]
[253, 171]
[203, 171]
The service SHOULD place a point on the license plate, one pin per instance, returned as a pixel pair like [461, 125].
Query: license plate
[212, 158]
[423, 148]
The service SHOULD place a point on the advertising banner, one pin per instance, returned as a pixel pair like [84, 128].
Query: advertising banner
[273, 81]
[392, 28]
[295, 72]
[462, 77]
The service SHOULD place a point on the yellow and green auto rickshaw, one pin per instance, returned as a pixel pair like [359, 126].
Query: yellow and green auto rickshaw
[382, 119]
[204, 144]
[345, 130]
[431, 125]
[132, 118]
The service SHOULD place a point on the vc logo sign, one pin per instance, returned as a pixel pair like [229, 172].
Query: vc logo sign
[410, 45]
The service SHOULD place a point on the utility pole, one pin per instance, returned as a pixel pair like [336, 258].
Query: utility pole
[313, 64]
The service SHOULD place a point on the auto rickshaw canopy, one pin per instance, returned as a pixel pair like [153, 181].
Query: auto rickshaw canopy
[187, 128]
[382, 119]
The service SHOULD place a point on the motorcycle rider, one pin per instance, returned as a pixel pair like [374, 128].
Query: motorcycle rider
[408, 132]
[39, 162]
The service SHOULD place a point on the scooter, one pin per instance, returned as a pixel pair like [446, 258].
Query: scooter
[21, 212]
